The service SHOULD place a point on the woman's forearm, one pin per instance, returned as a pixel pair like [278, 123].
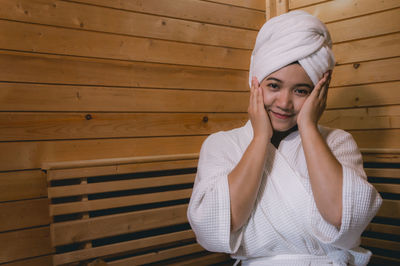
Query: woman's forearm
[325, 173]
[244, 182]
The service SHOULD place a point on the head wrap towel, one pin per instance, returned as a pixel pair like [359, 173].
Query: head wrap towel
[294, 36]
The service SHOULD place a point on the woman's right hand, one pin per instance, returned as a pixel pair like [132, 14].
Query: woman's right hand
[259, 117]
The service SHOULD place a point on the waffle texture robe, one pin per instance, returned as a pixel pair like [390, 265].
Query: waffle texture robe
[285, 226]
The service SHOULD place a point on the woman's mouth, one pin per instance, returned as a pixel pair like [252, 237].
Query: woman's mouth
[282, 116]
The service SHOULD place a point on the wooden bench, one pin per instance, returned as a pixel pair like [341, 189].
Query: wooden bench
[128, 211]
[382, 236]
[132, 211]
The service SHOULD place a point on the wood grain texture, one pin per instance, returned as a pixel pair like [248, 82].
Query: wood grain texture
[366, 72]
[293, 4]
[160, 255]
[253, 4]
[381, 139]
[376, 94]
[329, 11]
[113, 186]
[363, 118]
[25, 244]
[367, 49]
[40, 261]
[22, 214]
[22, 185]
[94, 18]
[63, 41]
[120, 248]
[26, 67]
[201, 11]
[42, 97]
[367, 26]
[44, 126]
[117, 224]
[31, 155]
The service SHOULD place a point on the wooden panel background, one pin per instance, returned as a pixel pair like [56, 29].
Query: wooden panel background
[93, 79]
[97, 79]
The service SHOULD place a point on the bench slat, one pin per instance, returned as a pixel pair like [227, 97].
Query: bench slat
[118, 248]
[383, 228]
[61, 174]
[157, 256]
[380, 243]
[116, 202]
[389, 209]
[111, 225]
[112, 186]
[387, 188]
[384, 172]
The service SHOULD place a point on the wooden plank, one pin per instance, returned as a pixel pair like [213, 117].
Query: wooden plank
[364, 95]
[377, 260]
[252, 4]
[22, 185]
[388, 188]
[385, 172]
[23, 244]
[39, 261]
[30, 155]
[55, 40]
[367, 49]
[119, 169]
[112, 186]
[95, 18]
[381, 158]
[340, 10]
[118, 161]
[22, 214]
[366, 26]
[293, 4]
[209, 259]
[362, 118]
[386, 138]
[380, 243]
[118, 248]
[201, 11]
[389, 209]
[42, 97]
[384, 228]
[366, 72]
[44, 126]
[117, 224]
[117, 202]
[159, 255]
[27, 67]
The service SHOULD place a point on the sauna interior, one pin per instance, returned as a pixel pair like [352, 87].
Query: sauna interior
[105, 104]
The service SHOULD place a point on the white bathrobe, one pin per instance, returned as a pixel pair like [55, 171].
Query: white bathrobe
[285, 226]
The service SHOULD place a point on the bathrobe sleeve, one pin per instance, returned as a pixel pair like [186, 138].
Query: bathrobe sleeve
[209, 211]
[360, 200]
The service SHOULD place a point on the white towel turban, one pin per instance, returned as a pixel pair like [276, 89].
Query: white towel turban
[294, 36]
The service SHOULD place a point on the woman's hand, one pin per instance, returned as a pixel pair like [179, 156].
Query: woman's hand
[315, 104]
[258, 115]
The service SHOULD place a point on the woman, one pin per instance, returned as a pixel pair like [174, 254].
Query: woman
[282, 190]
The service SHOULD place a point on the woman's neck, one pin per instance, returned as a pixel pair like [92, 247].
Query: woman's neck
[280, 135]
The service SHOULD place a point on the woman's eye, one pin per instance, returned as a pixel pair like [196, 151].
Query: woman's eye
[273, 86]
[302, 92]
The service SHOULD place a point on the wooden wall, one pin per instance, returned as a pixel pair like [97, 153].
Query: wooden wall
[364, 96]
[94, 79]
[364, 99]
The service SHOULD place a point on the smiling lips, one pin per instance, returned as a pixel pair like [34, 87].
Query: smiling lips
[281, 116]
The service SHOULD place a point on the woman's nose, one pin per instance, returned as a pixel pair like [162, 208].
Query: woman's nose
[284, 100]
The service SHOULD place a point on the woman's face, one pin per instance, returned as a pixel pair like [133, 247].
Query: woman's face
[285, 92]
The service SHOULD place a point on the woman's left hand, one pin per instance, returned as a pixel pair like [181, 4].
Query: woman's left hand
[315, 104]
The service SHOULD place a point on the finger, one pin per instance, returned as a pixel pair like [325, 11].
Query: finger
[319, 86]
[324, 89]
